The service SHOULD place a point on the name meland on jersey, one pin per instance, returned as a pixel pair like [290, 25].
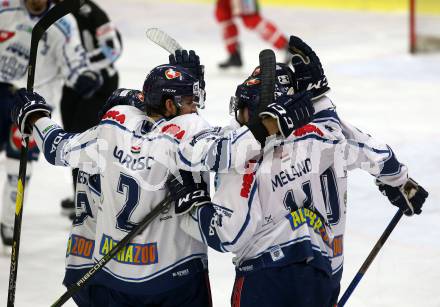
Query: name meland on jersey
[291, 174]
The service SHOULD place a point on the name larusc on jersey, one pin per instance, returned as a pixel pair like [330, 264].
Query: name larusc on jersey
[129, 161]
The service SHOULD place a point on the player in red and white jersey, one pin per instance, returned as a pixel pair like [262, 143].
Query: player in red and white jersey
[248, 11]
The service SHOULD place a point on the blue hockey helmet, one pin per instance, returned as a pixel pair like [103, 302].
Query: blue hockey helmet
[171, 81]
[248, 93]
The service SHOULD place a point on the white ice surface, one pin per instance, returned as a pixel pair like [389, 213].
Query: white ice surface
[376, 86]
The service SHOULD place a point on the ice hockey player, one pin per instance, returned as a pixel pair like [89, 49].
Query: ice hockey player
[161, 266]
[103, 45]
[252, 214]
[285, 219]
[391, 175]
[248, 11]
[81, 243]
[59, 55]
[130, 152]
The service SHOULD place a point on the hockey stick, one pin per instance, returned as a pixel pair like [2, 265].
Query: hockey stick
[42, 25]
[268, 71]
[163, 40]
[112, 253]
[377, 247]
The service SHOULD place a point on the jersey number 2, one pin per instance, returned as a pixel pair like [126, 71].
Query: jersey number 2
[129, 187]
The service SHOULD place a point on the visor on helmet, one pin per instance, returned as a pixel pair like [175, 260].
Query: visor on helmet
[198, 96]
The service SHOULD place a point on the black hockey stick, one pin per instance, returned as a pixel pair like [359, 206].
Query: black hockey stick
[112, 253]
[377, 247]
[268, 71]
[42, 25]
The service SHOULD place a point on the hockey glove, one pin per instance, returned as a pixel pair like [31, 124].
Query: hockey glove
[88, 83]
[190, 61]
[291, 112]
[186, 193]
[28, 104]
[309, 74]
[409, 197]
[123, 96]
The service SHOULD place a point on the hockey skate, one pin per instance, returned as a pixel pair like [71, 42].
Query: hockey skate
[7, 234]
[234, 60]
[68, 208]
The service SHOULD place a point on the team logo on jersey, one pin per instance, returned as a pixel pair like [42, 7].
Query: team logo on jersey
[5, 35]
[172, 74]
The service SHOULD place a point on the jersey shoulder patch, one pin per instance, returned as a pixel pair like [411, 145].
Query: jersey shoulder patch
[114, 115]
[185, 125]
[174, 130]
[308, 129]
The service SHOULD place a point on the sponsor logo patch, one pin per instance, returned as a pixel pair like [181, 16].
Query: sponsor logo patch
[133, 253]
[304, 216]
[80, 247]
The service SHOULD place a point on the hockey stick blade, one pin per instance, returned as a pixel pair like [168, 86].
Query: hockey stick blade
[163, 40]
[112, 253]
[58, 11]
[42, 25]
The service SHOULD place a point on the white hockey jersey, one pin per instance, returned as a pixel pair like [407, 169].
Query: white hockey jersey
[134, 158]
[291, 204]
[61, 57]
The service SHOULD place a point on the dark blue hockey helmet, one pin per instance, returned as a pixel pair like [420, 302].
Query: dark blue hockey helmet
[248, 93]
[171, 81]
